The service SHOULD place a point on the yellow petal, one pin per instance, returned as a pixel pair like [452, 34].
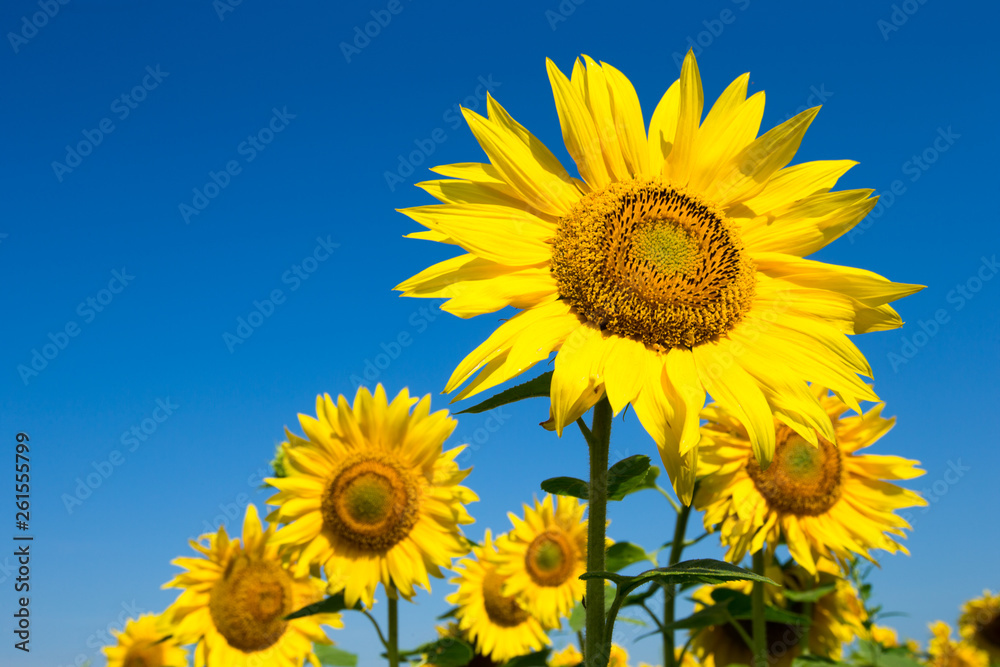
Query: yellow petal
[688, 119]
[628, 121]
[578, 131]
[662, 128]
[869, 288]
[598, 99]
[577, 372]
[798, 182]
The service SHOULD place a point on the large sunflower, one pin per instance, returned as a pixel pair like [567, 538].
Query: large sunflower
[836, 619]
[235, 600]
[823, 499]
[370, 495]
[979, 623]
[499, 626]
[146, 641]
[543, 557]
[672, 269]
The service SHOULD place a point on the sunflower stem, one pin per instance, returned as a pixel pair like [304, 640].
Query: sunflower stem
[392, 648]
[676, 549]
[757, 608]
[597, 652]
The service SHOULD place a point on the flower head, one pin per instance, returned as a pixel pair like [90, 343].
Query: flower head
[672, 268]
[146, 641]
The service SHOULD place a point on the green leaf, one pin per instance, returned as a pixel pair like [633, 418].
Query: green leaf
[701, 570]
[577, 618]
[538, 659]
[898, 657]
[535, 388]
[622, 554]
[811, 595]
[451, 613]
[331, 656]
[816, 661]
[567, 486]
[334, 603]
[445, 652]
[627, 476]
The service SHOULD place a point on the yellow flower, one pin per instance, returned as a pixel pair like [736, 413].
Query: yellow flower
[235, 600]
[370, 495]
[884, 635]
[146, 642]
[979, 623]
[571, 657]
[836, 619]
[543, 557]
[499, 627]
[823, 499]
[947, 653]
[673, 268]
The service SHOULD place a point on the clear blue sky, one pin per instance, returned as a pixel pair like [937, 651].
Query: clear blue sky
[300, 134]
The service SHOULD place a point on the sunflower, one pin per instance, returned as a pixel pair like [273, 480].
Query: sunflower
[673, 268]
[836, 618]
[370, 495]
[543, 557]
[824, 499]
[146, 642]
[571, 657]
[979, 623]
[947, 653]
[499, 627]
[235, 600]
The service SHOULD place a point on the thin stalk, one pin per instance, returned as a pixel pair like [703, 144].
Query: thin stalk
[757, 607]
[596, 651]
[676, 549]
[381, 637]
[804, 639]
[392, 648]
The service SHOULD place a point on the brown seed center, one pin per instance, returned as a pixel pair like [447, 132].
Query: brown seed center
[503, 610]
[550, 559]
[802, 479]
[249, 602]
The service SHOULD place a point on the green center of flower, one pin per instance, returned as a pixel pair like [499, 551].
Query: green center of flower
[249, 602]
[503, 610]
[372, 503]
[647, 261]
[802, 480]
[550, 559]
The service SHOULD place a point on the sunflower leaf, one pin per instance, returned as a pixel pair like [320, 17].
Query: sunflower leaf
[566, 486]
[331, 656]
[811, 595]
[332, 604]
[577, 617]
[445, 652]
[534, 388]
[622, 554]
[537, 659]
[701, 570]
[628, 476]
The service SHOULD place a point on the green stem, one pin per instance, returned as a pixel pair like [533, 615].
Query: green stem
[804, 639]
[392, 647]
[596, 651]
[757, 607]
[676, 548]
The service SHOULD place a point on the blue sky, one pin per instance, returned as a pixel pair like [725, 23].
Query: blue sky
[174, 167]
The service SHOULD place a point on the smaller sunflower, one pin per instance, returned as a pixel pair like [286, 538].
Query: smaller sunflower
[979, 623]
[822, 497]
[947, 653]
[543, 557]
[146, 642]
[370, 495]
[236, 598]
[497, 625]
[837, 618]
[883, 635]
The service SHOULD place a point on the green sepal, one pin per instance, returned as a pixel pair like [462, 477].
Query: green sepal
[535, 388]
